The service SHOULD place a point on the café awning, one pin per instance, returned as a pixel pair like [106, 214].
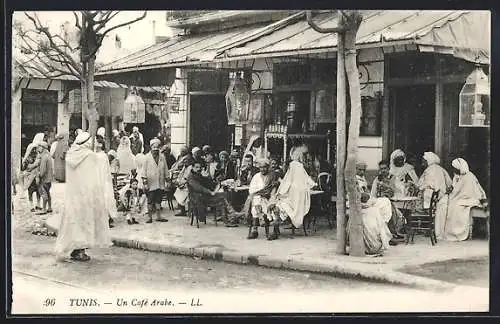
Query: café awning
[464, 34]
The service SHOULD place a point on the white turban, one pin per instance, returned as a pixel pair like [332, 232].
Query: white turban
[115, 132]
[135, 129]
[112, 153]
[82, 138]
[101, 131]
[460, 164]
[195, 149]
[43, 144]
[431, 158]
[263, 162]
[154, 143]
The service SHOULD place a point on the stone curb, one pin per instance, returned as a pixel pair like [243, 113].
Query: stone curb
[332, 267]
[341, 269]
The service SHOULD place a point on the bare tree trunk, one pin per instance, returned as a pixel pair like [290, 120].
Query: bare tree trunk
[356, 243]
[85, 104]
[93, 114]
[341, 144]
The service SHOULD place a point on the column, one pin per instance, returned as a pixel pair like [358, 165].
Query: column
[63, 114]
[16, 131]
[179, 120]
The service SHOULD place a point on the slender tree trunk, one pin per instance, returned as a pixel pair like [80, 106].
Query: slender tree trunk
[356, 243]
[93, 114]
[85, 105]
[341, 145]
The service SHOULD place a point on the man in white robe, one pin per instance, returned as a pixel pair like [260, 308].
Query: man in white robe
[466, 193]
[107, 179]
[435, 178]
[293, 199]
[84, 223]
[261, 189]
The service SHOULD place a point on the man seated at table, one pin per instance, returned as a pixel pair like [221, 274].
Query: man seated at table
[382, 190]
[276, 167]
[293, 198]
[262, 187]
[248, 170]
[373, 207]
[226, 168]
[202, 194]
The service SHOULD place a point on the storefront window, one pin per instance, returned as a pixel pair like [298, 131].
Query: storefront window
[39, 107]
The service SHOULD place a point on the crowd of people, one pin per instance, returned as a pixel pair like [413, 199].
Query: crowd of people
[383, 222]
[243, 187]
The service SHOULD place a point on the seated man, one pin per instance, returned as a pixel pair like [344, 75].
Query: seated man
[202, 194]
[248, 170]
[134, 200]
[383, 204]
[262, 187]
[382, 190]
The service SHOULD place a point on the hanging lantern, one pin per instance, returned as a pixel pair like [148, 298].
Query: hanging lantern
[134, 111]
[237, 101]
[475, 100]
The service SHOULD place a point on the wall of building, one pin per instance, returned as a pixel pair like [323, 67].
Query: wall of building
[16, 115]
[179, 120]
[370, 147]
[372, 81]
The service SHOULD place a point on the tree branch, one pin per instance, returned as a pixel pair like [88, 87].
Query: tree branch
[44, 30]
[321, 29]
[77, 21]
[102, 23]
[125, 24]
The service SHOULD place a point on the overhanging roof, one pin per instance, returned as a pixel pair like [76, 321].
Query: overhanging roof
[465, 34]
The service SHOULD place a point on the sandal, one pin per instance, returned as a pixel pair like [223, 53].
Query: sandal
[33, 210]
[162, 220]
[49, 210]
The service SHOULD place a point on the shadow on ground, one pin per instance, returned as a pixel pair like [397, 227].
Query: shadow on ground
[472, 272]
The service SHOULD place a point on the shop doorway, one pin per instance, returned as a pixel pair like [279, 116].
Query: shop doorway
[38, 115]
[413, 120]
[149, 129]
[208, 122]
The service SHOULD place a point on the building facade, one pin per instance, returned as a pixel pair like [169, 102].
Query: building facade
[412, 66]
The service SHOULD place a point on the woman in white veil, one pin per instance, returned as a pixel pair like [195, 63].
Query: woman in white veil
[29, 176]
[125, 156]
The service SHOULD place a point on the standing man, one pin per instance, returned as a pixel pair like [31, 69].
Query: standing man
[84, 223]
[136, 144]
[115, 140]
[154, 175]
[136, 134]
[46, 176]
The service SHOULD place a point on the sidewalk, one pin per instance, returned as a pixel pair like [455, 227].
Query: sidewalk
[314, 253]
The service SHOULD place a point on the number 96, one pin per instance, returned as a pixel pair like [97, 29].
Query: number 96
[49, 302]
